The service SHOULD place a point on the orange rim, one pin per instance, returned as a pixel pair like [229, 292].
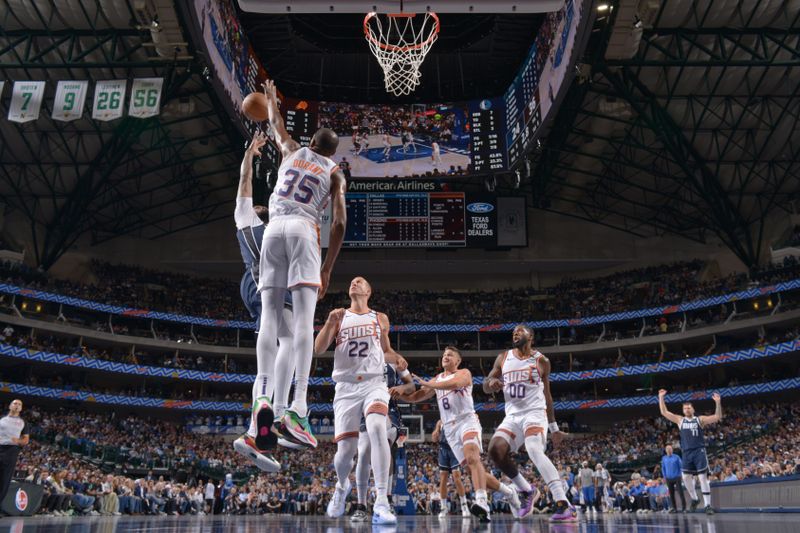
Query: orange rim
[392, 47]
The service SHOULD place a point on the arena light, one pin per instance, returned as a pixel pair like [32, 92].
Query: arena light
[602, 7]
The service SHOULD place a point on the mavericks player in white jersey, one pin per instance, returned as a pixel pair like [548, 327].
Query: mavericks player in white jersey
[290, 260]
[523, 374]
[462, 428]
[362, 347]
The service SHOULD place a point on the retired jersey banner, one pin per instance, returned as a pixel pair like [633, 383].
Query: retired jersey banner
[145, 97]
[26, 99]
[108, 98]
[70, 97]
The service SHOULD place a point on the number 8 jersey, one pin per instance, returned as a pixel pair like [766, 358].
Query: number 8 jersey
[522, 385]
[358, 355]
[456, 403]
[303, 185]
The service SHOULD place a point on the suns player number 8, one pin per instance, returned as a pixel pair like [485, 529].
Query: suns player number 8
[303, 187]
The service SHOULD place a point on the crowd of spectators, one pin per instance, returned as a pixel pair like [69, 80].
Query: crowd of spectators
[633, 289]
[161, 468]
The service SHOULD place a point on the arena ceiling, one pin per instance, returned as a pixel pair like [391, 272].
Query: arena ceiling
[683, 119]
[145, 177]
[327, 57]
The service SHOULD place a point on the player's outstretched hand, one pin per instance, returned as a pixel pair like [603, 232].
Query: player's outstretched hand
[436, 434]
[401, 364]
[270, 91]
[494, 384]
[336, 316]
[259, 140]
[662, 393]
[422, 383]
[325, 278]
[716, 397]
[558, 438]
[396, 392]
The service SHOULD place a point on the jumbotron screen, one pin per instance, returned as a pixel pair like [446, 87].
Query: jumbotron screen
[419, 140]
[435, 219]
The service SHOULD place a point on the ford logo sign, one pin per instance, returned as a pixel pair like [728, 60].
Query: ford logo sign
[480, 207]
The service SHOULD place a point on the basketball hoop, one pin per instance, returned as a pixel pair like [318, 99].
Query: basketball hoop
[400, 43]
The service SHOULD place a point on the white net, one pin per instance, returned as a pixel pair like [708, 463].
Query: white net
[400, 44]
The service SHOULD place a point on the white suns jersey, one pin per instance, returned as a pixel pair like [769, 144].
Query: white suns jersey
[523, 389]
[303, 186]
[454, 404]
[358, 355]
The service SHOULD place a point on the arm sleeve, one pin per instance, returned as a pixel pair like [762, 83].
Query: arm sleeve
[244, 215]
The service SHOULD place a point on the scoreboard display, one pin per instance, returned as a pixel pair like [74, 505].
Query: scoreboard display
[416, 219]
[300, 118]
[429, 220]
[487, 124]
[523, 112]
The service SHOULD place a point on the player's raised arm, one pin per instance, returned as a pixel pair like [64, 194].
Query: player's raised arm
[662, 405]
[338, 226]
[390, 356]
[717, 416]
[285, 141]
[494, 382]
[328, 332]
[246, 172]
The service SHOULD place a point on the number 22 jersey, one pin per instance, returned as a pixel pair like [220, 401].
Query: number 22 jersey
[358, 355]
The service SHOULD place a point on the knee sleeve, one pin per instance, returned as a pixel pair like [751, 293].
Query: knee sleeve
[534, 445]
[346, 450]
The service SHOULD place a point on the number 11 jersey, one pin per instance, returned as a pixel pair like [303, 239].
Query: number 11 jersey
[358, 355]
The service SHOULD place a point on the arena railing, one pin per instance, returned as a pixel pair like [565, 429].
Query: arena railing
[768, 351]
[240, 407]
[696, 305]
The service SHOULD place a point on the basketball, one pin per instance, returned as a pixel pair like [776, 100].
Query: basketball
[254, 107]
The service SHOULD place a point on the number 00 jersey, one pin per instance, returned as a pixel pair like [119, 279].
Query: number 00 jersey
[522, 384]
[303, 186]
[358, 355]
[454, 404]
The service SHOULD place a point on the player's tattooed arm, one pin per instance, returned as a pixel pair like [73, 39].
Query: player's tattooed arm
[717, 416]
[328, 331]
[662, 405]
[420, 395]
[494, 382]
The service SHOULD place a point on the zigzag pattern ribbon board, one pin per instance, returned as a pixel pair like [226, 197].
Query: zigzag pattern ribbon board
[220, 377]
[235, 407]
[417, 328]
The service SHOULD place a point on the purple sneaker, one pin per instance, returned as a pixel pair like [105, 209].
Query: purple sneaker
[564, 514]
[526, 500]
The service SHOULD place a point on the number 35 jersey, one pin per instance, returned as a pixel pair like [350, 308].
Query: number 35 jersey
[303, 186]
[522, 384]
[454, 404]
[358, 355]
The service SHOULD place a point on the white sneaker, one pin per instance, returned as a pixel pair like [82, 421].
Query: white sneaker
[246, 447]
[336, 505]
[382, 515]
[443, 513]
[480, 508]
[465, 510]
